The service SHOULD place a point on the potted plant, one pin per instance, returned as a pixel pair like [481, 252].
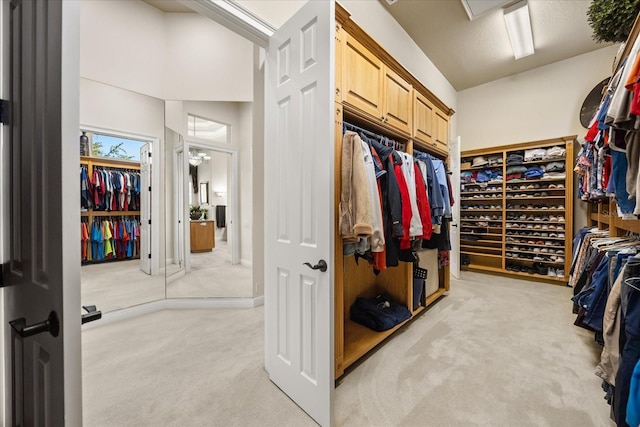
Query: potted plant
[195, 212]
[612, 20]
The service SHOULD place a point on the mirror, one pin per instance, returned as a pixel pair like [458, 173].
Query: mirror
[200, 251]
[122, 222]
[204, 192]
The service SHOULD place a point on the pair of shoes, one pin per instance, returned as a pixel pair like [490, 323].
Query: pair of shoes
[552, 272]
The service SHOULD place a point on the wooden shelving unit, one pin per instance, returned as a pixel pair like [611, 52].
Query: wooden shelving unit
[391, 102]
[90, 214]
[489, 250]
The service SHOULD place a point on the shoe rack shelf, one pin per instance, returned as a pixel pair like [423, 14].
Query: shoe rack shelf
[518, 227]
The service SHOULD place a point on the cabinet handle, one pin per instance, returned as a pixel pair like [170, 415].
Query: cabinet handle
[382, 118]
[337, 91]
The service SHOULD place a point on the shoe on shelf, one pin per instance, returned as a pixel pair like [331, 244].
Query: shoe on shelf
[552, 272]
[560, 273]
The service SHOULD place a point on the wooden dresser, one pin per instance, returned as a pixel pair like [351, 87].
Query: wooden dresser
[203, 235]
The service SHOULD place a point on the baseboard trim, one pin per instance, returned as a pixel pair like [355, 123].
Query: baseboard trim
[199, 303]
[174, 304]
[126, 313]
[246, 263]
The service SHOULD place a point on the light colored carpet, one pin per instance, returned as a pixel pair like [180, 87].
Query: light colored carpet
[495, 352]
[115, 285]
[212, 275]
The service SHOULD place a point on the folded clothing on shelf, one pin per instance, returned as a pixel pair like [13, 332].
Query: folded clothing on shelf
[515, 159]
[534, 172]
[534, 154]
[379, 313]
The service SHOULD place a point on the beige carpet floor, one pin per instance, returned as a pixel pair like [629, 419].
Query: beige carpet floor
[494, 352]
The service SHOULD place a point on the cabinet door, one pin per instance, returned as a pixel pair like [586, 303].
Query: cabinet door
[441, 122]
[202, 237]
[362, 78]
[398, 97]
[423, 114]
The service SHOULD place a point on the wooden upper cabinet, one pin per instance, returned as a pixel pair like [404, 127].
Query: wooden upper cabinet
[398, 97]
[362, 77]
[423, 112]
[441, 123]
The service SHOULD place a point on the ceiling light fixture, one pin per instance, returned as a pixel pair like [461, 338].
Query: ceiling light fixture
[196, 158]
[518, 23]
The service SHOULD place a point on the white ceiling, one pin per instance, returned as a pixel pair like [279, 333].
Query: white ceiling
[470, 53]
[467, 52]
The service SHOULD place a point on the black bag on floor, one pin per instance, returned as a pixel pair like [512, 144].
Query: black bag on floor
[379, 313]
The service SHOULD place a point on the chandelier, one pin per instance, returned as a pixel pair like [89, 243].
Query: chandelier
[196, 158]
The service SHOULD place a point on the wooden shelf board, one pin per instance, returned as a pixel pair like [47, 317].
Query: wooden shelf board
[536, 222]
[536, 180]
[359, 340]
[435, 296]
[534, 260]
[479, 254]
[111, 163]
[530, 244]
[480, 220]
[115, 213]
[538, 190]
[480, 210]
[535, 198]
[482, 241]
[538, 276]
[536, 237]
[480, 247]
[482, 192]
[481, 234]
[482, 267]
[482, 184]
[479, 168]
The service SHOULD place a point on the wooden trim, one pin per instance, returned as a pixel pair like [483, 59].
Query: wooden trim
[633, 35]
[344, 18]
[563, 140]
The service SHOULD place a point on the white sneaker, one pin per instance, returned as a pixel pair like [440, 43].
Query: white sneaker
[560, 273]
[552, 272]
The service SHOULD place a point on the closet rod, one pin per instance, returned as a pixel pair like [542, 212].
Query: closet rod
[380, 138]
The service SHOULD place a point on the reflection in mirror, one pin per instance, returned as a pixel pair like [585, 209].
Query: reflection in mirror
[202, 195]
[174, 204]
[116, 176]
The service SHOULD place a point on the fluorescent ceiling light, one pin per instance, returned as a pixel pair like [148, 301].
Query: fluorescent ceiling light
[244, 15]
[518, 24]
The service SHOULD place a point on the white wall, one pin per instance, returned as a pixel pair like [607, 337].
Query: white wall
[205, 61]
[123, 43]
[132, 45]
[537, 104]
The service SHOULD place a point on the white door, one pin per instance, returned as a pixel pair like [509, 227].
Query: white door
[145, 208]
[299, 202]
[454, 166]
[43, 371]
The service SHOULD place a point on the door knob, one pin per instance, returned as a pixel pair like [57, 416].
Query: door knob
[454, 225]
[321, 265]
[51, 325]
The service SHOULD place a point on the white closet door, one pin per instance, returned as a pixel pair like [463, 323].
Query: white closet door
[299, 194]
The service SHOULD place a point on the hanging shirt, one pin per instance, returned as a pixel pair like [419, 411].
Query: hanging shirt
[377, 237]
[415, 224]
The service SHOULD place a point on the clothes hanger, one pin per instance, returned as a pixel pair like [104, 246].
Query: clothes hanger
[626, 282]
